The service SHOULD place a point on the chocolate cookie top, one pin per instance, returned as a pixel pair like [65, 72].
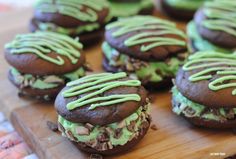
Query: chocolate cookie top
[216, 22]
[209, 78]
[146, 37]
[100, 99]
[71, 13]
[44, 53]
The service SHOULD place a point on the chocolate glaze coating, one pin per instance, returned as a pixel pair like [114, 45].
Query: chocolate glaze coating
[117, 149]
[217, 37]
[101, 115]
[154, 54]
[32, 64]
[200, 93]
[33, 92]
[176, 13]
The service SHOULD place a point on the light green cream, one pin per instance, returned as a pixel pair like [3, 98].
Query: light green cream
[185, 4]
[200, 43]
[125, 9]
[167, 70]
[68, 31]
[126, 135]
[38, 82]
[198, 108]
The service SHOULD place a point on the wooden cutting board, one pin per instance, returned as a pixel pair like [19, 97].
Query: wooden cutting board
[174, 137]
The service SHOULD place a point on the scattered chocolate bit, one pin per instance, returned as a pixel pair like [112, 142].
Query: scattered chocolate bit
[87, 67]
[95, 156]
[118, 133]
[131, 126]
[52, 126]
[81, 130]
[145, 124]
[89, 126]
[121, 124]
[103, 137]
[154, 127]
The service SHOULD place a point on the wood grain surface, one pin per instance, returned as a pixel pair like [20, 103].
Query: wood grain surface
[173, 139]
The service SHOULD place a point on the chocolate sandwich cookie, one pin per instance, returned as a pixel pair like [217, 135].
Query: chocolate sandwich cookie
[214, 27]
[83, 18]
[125, 8]
[145, 47]
[205, 90]
[103, 113]
[42, 62]
[181, 9]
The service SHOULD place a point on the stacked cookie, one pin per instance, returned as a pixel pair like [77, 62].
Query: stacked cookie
[146, 47]
[83, 19]
[43, 62]
[214, 27]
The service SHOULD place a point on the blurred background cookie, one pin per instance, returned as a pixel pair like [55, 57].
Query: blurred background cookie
[214, 27]
[83, 19]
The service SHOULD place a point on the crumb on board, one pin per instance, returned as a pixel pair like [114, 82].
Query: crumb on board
[95, 156]
[52, 126]
[154, 127]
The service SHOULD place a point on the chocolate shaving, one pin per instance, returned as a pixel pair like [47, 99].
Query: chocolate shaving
[96, 156]
[89, 126]
[80, 130]
[131, 126]
[154, 127]
[52, 126]
[118, 133]
[103, 137]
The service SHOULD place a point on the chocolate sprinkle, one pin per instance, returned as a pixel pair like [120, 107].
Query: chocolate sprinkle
[52, 126]
[154, 127]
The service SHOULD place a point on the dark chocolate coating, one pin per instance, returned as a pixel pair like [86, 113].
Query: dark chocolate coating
[154, 54]
[165, 83]
[30, 63]
[117, 149]
[101, 115]
[36, 93]
[177, 13]
[217, 37]
[200, 93]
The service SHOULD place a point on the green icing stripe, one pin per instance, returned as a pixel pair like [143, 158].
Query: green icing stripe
[125, 9]
[73, 8]
[148, 39]
[98, 84]
[185, 4]
[200, 43]
[206, 63]
[43, 43]
[221, 16]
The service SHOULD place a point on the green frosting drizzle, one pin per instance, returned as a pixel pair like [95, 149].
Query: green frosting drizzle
[68, 31]
[125, 9]
[185, 4]
[43, 43]
[99, 83]
[221, 16]
[200, 43]
[73, 8]
[144, 71]
[148, 39]
[206, 63]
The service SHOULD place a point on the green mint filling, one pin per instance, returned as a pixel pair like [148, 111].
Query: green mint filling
[185, 4]
[185, 104]
[68, 31]
[155, 71]
[200, 43]
[45, 82]
[124, 9]
[126, 135]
